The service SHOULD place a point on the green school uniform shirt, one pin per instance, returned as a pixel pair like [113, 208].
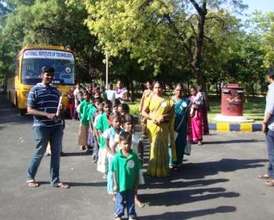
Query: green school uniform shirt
[126, 170]
[87, 111]
[101, 125]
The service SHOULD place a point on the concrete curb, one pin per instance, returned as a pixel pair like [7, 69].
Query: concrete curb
[242, 127]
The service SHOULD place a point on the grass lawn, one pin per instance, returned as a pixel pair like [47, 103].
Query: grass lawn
[253, 108]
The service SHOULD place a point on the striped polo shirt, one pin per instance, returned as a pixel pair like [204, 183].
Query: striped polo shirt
[44, 98]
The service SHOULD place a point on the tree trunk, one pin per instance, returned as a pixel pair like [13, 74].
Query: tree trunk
[197, 60]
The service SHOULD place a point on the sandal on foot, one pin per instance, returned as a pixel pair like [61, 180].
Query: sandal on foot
[264, 177]
[32, 184]
[62, 185]
[140, 204]
[269, 182]
[83, 147]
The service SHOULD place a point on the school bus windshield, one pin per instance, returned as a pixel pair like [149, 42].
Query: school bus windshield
[34, 60]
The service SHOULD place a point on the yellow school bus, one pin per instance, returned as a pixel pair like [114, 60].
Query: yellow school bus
[29, 62]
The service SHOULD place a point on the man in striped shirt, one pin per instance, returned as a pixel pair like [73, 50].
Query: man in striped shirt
[43, 100]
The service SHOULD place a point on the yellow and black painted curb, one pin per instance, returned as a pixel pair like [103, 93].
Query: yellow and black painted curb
[227, 127]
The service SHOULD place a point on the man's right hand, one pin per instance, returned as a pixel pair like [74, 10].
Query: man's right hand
[264, 127]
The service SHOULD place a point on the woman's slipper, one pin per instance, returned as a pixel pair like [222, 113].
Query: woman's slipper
[32, 184]
[269, 182]
[62, 185]
[264, 177]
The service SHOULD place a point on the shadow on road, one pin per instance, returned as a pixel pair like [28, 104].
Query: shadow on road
[80, 184]
[237, 141]
[15, 118]
[200, 171]
[203, 169]
[75, 154]
[75, 184]
[180, 197]
[167, 184]
[189, 214]
[9, 114]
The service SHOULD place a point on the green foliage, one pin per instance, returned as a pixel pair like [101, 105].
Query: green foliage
[138, 28]
[162, 35]
[144, 39]
[263, 26]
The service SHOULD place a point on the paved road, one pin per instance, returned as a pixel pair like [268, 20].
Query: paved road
[218, 180]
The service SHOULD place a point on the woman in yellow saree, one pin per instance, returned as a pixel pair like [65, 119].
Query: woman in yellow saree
[159, 113]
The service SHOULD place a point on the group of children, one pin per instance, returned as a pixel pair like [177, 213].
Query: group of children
[108, 129]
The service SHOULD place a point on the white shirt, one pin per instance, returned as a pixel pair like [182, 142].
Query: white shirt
[269, 108]
[110, 95]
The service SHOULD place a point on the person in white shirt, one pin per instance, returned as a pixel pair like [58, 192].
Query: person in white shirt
[268, 129]
[110, 93]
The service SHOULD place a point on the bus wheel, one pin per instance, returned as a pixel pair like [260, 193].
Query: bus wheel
[22, 112]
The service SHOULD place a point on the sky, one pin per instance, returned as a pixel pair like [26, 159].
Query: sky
[262, 5]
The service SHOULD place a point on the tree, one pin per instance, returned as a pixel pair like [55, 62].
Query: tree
[265, 29]
[146, 29]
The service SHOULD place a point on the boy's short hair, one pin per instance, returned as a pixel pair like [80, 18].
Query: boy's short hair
[116, 103]
[116, 116]
[124, 107]
[125, 136]
[108, 103]
[127, 118]
[86, 93]
[47, 69]
[98, 99]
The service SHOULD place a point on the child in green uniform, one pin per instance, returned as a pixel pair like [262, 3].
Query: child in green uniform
[137, 147]
[102, 123]
[86, 113]
[125, 168]
[111, 136]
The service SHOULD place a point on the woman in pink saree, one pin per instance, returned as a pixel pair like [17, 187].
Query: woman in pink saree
[195, 134]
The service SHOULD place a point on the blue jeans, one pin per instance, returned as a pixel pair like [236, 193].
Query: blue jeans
[43, 135]
[122, 200]
[270, 151]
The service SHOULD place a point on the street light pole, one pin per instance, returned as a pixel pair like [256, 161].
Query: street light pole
[106, 70]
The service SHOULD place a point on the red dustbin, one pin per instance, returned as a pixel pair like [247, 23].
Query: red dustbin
[232, 100]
